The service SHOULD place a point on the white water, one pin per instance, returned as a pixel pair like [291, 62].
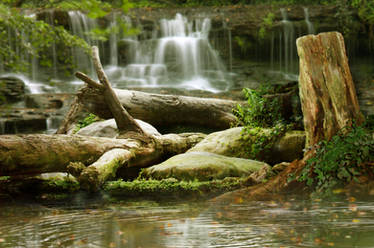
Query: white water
[288, 35]
[81, 25]
[179, 56]
[309, 24]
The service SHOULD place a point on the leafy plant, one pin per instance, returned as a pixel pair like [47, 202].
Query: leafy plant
[267, 22]
[260, 111]
[262, 121]
[89, 119]
[339, 160]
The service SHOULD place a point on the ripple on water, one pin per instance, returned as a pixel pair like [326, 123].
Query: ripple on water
[288, 223]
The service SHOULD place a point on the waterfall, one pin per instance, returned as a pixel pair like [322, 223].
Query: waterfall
[309, 24]
[81, 25]
[288, 42]
[113, 40]
[181, 56]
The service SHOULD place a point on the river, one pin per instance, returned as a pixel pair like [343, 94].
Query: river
[83, 221]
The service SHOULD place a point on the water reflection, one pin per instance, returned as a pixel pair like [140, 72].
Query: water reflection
[289, 223]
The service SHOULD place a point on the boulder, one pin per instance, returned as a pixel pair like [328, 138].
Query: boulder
[230, 143]
[108, 128]
[12, 90]
[203, 166]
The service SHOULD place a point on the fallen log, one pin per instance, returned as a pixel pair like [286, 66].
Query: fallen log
[35, 154]
[41, 153]
[158, 110]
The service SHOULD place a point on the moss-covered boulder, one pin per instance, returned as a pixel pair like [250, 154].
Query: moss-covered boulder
[203, 166]
[231, 143]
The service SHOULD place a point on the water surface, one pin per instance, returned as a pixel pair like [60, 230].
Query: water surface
[78, 222]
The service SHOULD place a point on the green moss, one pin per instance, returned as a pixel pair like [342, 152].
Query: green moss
[171, 187]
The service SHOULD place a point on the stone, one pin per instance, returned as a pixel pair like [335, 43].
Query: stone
[57, 101]
[230, 143]
[108, 128]
[22, 120]
[203, 166]
[12, 90]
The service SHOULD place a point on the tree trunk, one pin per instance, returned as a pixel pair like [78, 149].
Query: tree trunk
[161, 110]
[327, 93]
[40, 153]
[125, 122]
[329, 103]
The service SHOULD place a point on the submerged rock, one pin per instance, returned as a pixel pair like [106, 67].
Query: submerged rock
[108, 128]
[230, 143]
[203, 166]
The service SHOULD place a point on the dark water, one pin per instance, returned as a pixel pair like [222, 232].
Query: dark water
[347, 222]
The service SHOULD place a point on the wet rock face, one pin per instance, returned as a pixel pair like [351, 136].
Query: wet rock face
[11, 90]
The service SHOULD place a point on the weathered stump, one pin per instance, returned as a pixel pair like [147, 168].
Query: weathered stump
[328, 96]
[328, 101]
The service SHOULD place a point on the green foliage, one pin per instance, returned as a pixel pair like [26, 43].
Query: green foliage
[267, 22]
[340, 160]
[89, 119]
[22, 37]
[243, 43]
[262, 120]
[365, 10]
[261, 111]
[58, 185]
[172, 187]
[260, 140]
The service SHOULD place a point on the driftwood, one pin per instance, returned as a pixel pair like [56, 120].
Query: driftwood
[329, 103]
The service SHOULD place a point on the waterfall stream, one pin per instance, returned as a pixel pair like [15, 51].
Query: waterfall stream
[170, 53]
[180, 56]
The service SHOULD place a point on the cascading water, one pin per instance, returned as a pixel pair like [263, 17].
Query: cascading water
[288, 35]
[181, 57]
[309, 24]
[81, 25]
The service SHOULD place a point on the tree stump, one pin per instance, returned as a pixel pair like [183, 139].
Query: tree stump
[327, 93]
[329, 104]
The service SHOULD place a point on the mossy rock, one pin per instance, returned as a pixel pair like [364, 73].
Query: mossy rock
[231, 143]
[203, 166]
[172, 188]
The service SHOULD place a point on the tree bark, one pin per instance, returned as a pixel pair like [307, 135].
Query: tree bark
[125, 122]
[327, 93]
[161, 110]
[329, 104]
[40, 153]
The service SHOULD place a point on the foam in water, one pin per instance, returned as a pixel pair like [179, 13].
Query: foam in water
[178, 54]
[180, 57]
